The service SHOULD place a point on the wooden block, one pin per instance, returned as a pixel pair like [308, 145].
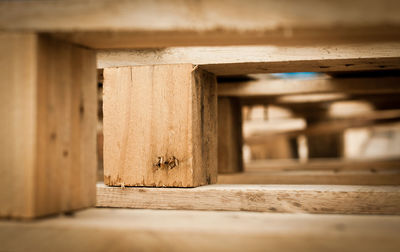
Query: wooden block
[156, 230]
[160, 126]
[49, 105]
[321, 199]
[325, 145]
[229, 136]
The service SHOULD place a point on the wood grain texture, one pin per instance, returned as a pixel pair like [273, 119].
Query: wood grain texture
[260, 198]
[163, 23]
[156, 230]
[391, 177]
[276, 87]
[229, 136]
[48, 156]
[236, 60]
[166, 111]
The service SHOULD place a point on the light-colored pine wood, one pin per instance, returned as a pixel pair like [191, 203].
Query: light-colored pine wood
[264, 59]
[325, 84]
[154, 114]
[391, 177]
[229, 136]
[163, 23]
[260, 198]
[48, 109]
[157, 230]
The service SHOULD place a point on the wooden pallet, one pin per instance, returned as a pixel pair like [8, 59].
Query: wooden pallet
[48, 93]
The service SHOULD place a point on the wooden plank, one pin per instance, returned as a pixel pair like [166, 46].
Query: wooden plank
[135, 24]
[323, 164]
[229, 136]
[160, 126]
[331, 125]
[374, 177]
[319, 85]
[48, 103]
[238, 60]
[259, 198]
[155, 230]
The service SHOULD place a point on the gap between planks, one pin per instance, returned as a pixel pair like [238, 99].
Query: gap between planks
[261, 198]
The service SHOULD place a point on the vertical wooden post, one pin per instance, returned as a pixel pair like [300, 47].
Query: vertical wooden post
[160, 126]
[48, 136]
[229, 135]
[329, 145]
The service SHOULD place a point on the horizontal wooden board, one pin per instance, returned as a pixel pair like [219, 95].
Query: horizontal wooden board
[156, 230]
[236, 60]
[297, 86]
[264, 132]
[323, 164]
[313, 177]
[162, 23]
[261, 198]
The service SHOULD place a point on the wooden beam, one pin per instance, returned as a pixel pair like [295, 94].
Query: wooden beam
[318, 85]
[313, 177]
[324, 164]
[160, 126]
[331, 125]
[229, 136]
[321, 199]
[144, 24]
[155, 230]
[49, 108]
[340, 124]
[264, 59]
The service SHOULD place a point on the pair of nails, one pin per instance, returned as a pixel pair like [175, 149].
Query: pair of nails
[170, 163]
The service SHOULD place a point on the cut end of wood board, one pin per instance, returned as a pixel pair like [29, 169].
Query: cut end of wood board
[48, 99]
[159, 126]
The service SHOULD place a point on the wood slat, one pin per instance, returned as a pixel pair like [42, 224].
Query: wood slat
[313, 177]
[264, 59]
[297, 86]
[323, 164]
[330, 125]
[260, 198]
[156, 230]
[134, 24]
